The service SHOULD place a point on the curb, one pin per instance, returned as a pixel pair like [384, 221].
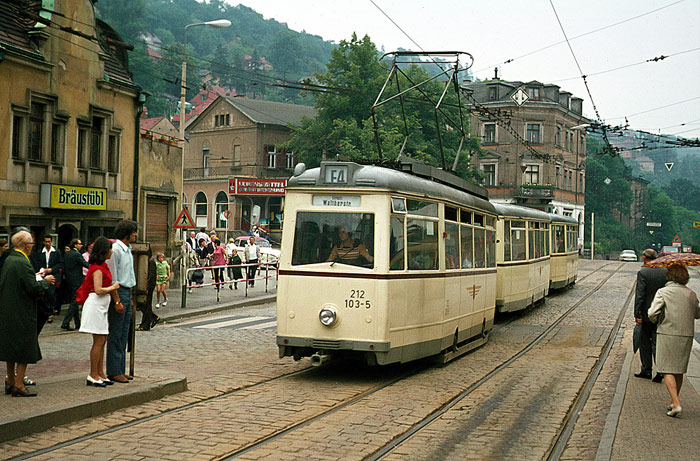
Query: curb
[26, 424]
[215, 308]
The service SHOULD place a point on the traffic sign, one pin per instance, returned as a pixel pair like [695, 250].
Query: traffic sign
[676, 239]
[696, 224]
[653, 224]
[227, 214]
[184, 220]
[520, 96]
[669, 165]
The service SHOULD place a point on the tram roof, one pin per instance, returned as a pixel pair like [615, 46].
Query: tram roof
[394, 180]
[557, 218]
[517, 211]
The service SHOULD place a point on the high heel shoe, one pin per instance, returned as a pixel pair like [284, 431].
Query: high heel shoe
[95, 382]
[673, 412]
[669, 407]
[8, 388]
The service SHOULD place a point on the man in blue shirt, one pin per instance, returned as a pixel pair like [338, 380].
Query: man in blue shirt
[121, 264]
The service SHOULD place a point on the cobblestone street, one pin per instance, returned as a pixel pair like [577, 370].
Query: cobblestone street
[243, 400]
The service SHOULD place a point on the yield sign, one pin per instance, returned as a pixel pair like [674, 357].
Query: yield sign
[184, 220]
[520, 96]
[669, 165]
[676, 239]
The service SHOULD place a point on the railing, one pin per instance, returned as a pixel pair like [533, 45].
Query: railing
[187, 285]
[536, 191]
[212, 172]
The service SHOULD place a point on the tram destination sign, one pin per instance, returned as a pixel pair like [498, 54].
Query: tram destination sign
[341, 201]
[67, 197]
[253, 186]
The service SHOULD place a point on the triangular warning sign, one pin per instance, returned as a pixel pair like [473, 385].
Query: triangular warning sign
[669, 165]
[184, 220]
[676, 239]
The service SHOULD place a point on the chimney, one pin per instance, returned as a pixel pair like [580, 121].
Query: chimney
[495, 73]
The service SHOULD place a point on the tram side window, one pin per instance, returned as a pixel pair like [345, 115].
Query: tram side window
[422, 241]
[518, 244]
[531, 244]
[418, 207]
[506, 241]
[479, 247]
[396, 243]
[559, 239]
[346, 238]
[546, 240]
[467, 247]
[451, 246]
[490, 248]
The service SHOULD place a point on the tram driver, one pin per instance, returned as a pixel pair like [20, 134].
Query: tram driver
[349, 251]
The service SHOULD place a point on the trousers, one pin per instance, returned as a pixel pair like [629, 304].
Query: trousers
[73, 310]
[647, 345]
[118, 334]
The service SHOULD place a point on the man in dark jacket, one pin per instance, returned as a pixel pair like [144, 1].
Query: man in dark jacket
[649, 280]
[148, 318]
[73, 263]
[50, 260]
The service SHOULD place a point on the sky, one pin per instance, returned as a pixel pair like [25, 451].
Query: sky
[661, 96]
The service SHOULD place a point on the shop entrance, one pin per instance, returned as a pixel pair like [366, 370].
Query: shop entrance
[66, 233]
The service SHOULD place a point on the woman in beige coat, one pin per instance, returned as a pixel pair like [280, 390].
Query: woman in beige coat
[674, 309]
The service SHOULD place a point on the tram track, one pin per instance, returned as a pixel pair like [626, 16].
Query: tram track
[566, 430]
[247, 448]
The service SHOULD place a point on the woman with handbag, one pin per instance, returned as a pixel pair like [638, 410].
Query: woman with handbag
[95, 293]
[674, 309]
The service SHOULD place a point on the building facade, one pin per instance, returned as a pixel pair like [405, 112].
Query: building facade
[535, 139]
[235, 163]
[69, 114]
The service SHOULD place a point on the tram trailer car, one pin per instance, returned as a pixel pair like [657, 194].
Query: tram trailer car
[522, 257]
[384, 265]
[564, 257]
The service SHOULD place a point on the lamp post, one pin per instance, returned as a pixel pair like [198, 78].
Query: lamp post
[219, 23]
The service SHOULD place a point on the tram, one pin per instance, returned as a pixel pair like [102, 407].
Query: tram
[522, 257]
[564, 257]
[392, 265]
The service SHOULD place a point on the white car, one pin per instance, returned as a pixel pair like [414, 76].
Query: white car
[267, 253]
[628, 255]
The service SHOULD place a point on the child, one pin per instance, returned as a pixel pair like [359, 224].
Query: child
[162, 278]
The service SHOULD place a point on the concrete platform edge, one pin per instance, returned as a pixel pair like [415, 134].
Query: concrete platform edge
[26, 424]
[186, 312]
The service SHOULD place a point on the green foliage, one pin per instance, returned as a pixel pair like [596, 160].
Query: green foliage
[684, 192]
[344, 127]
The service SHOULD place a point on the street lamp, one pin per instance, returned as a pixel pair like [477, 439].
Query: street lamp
[219, 23]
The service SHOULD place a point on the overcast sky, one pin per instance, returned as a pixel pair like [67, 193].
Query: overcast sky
[497, 30]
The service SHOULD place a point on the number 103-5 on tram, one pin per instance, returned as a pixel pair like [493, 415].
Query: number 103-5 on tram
[384, 265]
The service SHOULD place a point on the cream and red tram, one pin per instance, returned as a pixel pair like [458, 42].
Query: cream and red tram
[383, 264]
[522, 257]
[564, 257]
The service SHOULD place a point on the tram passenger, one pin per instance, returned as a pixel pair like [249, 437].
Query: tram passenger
[348, 250]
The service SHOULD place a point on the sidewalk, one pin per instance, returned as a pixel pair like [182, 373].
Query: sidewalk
[637, 426]
[61, 383]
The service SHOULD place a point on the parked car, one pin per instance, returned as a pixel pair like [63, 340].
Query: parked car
[267, 253]
[628, 255]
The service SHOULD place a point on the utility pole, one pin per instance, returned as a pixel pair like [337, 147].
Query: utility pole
[592, 234]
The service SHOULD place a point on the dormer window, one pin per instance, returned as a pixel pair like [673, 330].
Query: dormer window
[533, 93]
[493, 93]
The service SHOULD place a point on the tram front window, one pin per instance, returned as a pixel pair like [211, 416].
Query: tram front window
[343, 238]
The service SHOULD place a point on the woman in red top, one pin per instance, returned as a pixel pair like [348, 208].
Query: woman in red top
[96, 292]
[219, 260]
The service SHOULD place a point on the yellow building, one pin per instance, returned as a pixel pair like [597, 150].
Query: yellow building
[69, 113]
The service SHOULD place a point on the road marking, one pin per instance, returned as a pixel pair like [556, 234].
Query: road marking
[260, 326]
[228, 323]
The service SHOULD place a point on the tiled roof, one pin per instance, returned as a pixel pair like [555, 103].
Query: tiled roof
[271, 113]
[117, 62]
[15, 25]
[147, 124]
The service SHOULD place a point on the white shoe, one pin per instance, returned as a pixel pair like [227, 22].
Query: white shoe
[674, 412]
[157, 305]
[165, 303]
[190, 290]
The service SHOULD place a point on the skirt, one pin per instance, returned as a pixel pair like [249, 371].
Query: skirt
[94, 319]
[673, 353]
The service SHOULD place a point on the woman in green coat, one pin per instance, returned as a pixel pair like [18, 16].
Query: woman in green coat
[19, 291]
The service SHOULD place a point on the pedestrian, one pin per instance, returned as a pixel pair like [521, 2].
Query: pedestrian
[649, 280]
[20, 290]
[674, 309]
[202, 234]
[148, 318]
[48, 261]
[73, 265]
[162, 279]
[192, 262]
[230, 246]
[235, 265]
[86, 257]
[96, 293]
[252, 255]
[121, 264]
[4, 246]
[218, 261]
[192, 240]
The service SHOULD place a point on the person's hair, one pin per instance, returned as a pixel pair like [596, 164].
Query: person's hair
[159, 254]
[677, 273]
[125, 228]
[47, 236]
[74, 242]
[3, 242]
[20, 229]
[100, 250]
[217, 242]
[20, 239]
[232, 240]
[200, 241]
[649, 253]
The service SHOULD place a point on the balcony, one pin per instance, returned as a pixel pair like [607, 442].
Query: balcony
[536, 191]
[212, 172]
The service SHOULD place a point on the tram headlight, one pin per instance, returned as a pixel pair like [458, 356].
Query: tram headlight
[328, 316]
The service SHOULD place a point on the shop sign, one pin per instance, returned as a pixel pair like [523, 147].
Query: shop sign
[247, 186]
[66, 197]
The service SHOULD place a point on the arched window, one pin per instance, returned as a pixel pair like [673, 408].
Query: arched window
[221, 206]
[200, 209]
